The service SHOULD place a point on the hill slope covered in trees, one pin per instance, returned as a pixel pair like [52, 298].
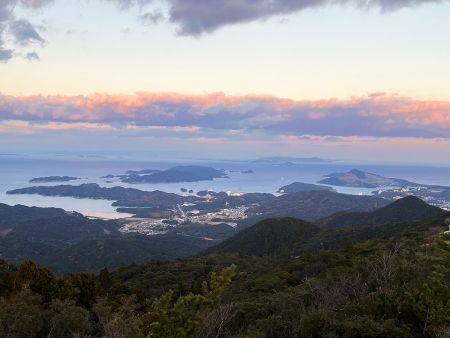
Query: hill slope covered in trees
[395, 286]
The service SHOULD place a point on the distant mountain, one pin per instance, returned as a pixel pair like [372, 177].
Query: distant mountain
[176, 175]
[361, 179]
[52, 179]
[408, 209]
[316, 204]
[294, 160]
[301, 187]
[271, 237]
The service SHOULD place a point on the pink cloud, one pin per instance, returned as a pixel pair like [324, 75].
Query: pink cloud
[377, 115]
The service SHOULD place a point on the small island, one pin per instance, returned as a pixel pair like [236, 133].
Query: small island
[53, 179]
[360, 179]
[174, 175]
[301, 187]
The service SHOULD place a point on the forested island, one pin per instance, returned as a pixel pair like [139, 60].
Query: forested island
[176, 174]
[53, 179]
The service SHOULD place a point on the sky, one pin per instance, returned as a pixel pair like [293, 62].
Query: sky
[357, 80]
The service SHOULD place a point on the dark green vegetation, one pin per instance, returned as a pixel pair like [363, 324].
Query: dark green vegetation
[284, 237]
[272, 237]
[51, 179]
[407, 209]
[376, 281]
[94, 254]
[316, 204]
[67, 241]
[300, 187]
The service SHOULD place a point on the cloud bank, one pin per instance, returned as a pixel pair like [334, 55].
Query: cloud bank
[376, 115]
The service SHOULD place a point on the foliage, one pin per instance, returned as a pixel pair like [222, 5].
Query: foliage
[379, 281]
[183, 316]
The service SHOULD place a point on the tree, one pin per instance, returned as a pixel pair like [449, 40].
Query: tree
[174, 317]
[26, 274]
[79, 287]
[68, 320]
[104, 279]
[120, 322]
[21, 315]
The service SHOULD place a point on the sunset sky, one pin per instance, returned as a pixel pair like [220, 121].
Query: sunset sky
[358, 80]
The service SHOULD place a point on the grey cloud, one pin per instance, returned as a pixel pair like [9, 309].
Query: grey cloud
[20, 30]
[33, 56]
[127, 4]
[195, 17]
[152, 17]
[24, 32]
[192, 17]
[5, 54]
[35, 3]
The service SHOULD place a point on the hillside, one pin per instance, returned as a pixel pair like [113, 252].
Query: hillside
[95, 254]
[313, 205]
[68, 241]
[396, 286]
[13, 215]
[271, 237]
[285, 237]
[407, 209]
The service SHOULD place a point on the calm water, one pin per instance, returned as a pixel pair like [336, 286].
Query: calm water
[16, 172]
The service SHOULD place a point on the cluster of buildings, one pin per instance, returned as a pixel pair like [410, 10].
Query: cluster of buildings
[157, 226]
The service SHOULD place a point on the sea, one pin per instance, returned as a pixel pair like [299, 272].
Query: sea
[16, 172]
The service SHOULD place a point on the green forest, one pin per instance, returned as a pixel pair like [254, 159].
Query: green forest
[394, 284]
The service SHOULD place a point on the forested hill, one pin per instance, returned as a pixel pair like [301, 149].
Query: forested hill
[407, 209]
[272, 237]
[316, 204]
[285, 237]
[394, 286]
[69, 241]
